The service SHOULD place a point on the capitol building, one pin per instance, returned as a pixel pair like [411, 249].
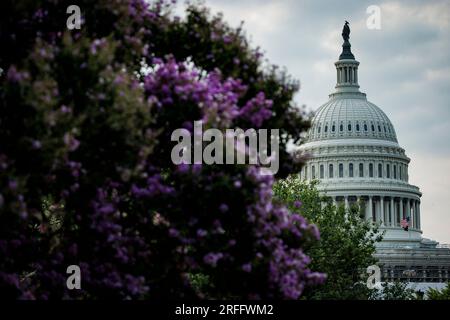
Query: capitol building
[353, 151]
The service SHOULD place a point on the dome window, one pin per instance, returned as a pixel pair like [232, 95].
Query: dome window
[318, 129]
[361, 170]
[384, 129]
[365, 127]
[333, 128]
[326, 128]
[395, 171]
[370, 170]
[341, 170]
[330, 171]
[380, 170]
[321, 171]
[373, 128]
[341, 127]
[313, 172]
[349, 127]
[357, 127]
[350, 170]
[379, 128]
[388, 171]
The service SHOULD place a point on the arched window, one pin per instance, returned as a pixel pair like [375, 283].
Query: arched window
[349, 127]
[326, 128]
[379, 128]
[388, 171]
[361, 170]
[341, 127]
[350, 170]
[330, 171]
[371, 170]
[357, 127]
[321, 171]
[395, 171]
[373, 128]
[400, 171]
[365, 127]
[313, 172]
[341, 170]
[380, 170]
[333, 128]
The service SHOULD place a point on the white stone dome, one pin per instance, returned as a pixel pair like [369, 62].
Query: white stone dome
[352, 150]
[350, 116]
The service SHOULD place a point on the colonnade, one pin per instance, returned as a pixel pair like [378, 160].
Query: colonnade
[387, 210]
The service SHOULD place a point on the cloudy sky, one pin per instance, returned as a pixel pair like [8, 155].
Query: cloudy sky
[405, 70]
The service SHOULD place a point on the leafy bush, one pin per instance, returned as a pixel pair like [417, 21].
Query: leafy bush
[347, 240]
[85, 174]
[435, 294]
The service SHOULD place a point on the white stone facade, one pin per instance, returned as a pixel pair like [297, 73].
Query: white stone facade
[352, 149]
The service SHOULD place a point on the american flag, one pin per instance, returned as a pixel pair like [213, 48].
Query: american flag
[405, 223]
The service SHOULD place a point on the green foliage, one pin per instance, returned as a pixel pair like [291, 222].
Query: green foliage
[347, 241]
[435, 294]
[394, 291]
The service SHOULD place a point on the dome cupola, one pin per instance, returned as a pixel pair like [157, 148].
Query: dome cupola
[348, 114]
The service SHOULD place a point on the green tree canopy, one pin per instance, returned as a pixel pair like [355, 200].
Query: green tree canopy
[347, 240]
[443, 294]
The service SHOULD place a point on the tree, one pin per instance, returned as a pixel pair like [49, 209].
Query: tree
[435, 294]
[85, 172]
[394, 291]
[347, 240]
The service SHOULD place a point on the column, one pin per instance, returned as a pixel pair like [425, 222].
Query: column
[413, 213]
[382, 210]
[418, 216]
[401, 209]
[377, 211]
[370, 208]
[392, 212]
[346, 202]
[334, 201]
[408, 209]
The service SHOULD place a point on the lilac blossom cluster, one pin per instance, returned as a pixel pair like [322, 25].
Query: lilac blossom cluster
[84, 176]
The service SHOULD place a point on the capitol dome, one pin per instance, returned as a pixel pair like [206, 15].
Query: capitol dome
[352, 149]
[350, 116]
